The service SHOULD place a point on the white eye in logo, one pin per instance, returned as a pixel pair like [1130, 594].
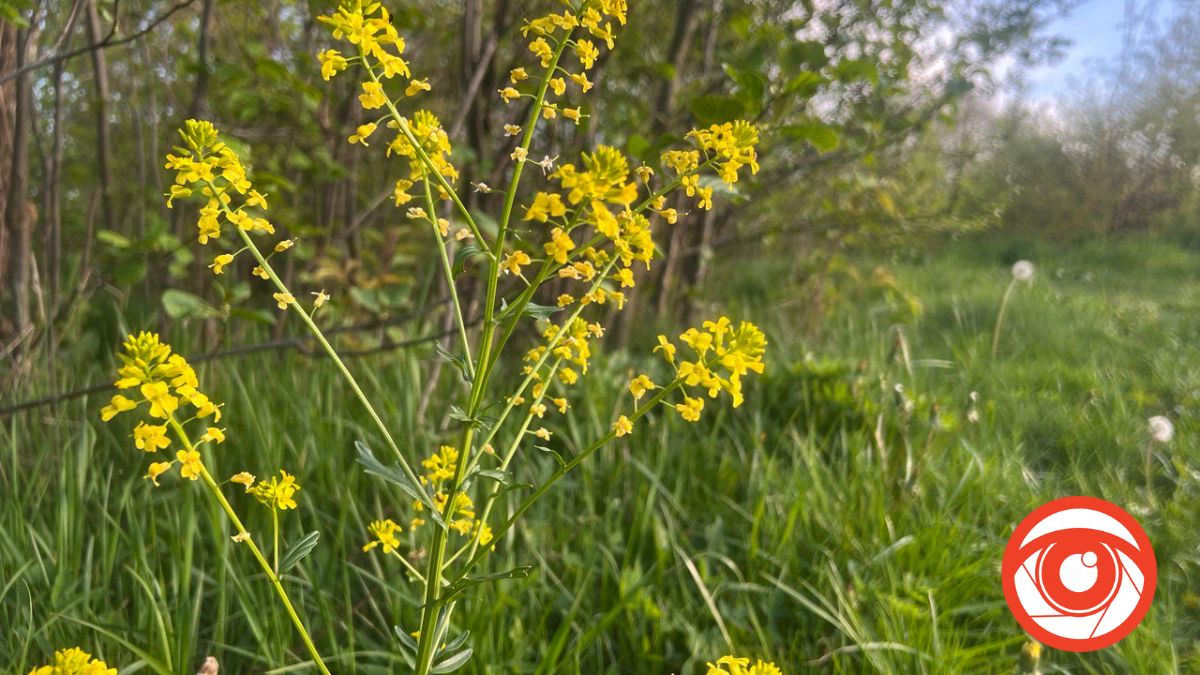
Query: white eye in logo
[1079, 574]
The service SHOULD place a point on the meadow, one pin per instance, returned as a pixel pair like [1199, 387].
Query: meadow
[850, 517]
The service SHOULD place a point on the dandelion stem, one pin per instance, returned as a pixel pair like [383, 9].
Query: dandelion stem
[1000, 317]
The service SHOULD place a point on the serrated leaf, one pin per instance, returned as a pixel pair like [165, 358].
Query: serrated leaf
[394, 475]
[453, 662]
[299, 551]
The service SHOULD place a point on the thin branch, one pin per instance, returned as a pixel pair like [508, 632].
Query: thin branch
[108, 41]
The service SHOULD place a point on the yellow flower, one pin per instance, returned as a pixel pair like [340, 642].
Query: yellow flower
[74, 661]
[417, 86]
[511, 129]
[543, 433]
[667, 348]
[117, 405]
[543, 51]
[284, 245]
[277, 493]
[538, 409]
[162, 403]
[157, 469]
[622, 426]
[244, 478]
[640, 385]
[581, 79]
[625, 276]
[732, 665]
[690, 408]
[219, 263]
[514, 261]
[586, 52]
[283, 299]
[362, 133]
[257, 200]
[565, 299]
[571, 114]
[384, 532]
[561, 404]
[517, 75]
[559, 245]
[213, 435]
[440, 466]
[320, 299]
[190, 465]
[372, 96]
[332, 63]
[509, 94]
[558, 86]
[150, 437]
[259, 272]
[545, 206]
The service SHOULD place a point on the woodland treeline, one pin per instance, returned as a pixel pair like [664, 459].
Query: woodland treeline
[875, 135]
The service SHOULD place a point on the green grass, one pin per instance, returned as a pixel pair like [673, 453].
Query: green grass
[829, 524]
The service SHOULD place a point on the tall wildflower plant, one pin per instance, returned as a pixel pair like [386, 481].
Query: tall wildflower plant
[585, 225]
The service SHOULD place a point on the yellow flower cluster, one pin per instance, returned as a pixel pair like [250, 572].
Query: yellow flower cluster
[74, 661]
[730, 146]
[723, 355]
[733, 665]
[551, 35]
[434, 141]
[572, 347]
[210, 167]
[279, 493]
[164, 382]
[374, 35]
[380, 46]
[384, 533]
[439, 470]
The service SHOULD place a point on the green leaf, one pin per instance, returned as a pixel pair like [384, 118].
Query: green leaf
[557, 457]
[466, 583]
[394, 475]
[299, 551]
[113, 239]
[464, 255]
[822, 136]
[183, 305]
[457, 360]
[804, 84]
[711, 109]
[453, 662]
[849, 70]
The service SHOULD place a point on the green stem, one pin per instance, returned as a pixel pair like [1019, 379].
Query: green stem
[402, 123]
[449, 272]
[215, 490]
[563, 471]
[337, 360]
[275, 532]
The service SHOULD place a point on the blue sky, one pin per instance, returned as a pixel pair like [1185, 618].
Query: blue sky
[1095, 30]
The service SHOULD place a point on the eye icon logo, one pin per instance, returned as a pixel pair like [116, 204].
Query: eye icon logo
[1079, 574]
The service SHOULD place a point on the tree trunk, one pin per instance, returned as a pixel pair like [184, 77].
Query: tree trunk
[18, 213]
[103, 143]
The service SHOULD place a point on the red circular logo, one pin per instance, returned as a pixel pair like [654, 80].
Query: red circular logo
[1079, 574]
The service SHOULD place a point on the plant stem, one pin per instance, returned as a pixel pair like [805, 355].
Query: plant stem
[449, 272]
[337, 360]
[215, 490]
